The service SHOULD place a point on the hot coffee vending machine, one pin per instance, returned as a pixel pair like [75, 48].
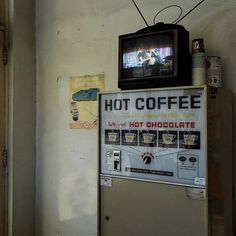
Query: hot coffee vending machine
[165, 162]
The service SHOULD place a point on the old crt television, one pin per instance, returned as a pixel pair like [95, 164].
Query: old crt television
[156, 56]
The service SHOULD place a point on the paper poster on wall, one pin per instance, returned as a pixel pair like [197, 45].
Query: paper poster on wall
[83, 100]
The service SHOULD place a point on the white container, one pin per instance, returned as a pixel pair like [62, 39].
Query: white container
[214, 71]
[199, 68]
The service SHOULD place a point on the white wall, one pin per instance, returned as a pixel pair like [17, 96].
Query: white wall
[78, 37]
[22, 107]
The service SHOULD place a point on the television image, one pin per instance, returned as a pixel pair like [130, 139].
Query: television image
[156, 56]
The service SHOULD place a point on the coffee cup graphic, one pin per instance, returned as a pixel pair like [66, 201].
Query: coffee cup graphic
[130, 137]
[189, 139]
[113, 136]
[168, 138]
[148, 138]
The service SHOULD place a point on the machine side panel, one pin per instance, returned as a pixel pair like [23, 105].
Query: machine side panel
[220, 165]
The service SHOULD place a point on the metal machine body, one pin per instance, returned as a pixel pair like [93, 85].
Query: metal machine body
[156, 175]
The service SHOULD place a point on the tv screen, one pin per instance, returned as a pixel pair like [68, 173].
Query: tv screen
[156, 56]
[149, 56]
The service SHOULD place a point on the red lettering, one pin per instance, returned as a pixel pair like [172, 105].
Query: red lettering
[131, 124]
[136, 124]
[166, 124]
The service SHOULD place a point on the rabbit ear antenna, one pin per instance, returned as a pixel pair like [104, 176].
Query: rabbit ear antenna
[189, 11]
[140, 12]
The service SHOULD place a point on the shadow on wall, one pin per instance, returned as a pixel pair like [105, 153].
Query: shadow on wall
[219, 31]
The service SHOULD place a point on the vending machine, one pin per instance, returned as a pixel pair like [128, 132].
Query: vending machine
[165, 165]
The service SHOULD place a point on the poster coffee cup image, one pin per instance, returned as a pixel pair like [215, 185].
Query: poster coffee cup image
[148, 138]
[112, 136]
[168, 138]
[189, 139]
[130, 137]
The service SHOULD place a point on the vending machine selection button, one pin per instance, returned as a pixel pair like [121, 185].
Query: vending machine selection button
[182, 158]
[193, 159]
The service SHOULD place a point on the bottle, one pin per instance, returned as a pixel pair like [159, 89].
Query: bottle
[74, 111]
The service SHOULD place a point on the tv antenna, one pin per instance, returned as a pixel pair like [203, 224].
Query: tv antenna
[140, 12]
[189, 11]
[177, 20]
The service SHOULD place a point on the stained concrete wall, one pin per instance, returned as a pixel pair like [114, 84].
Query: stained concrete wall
[78, 37]
[22, 108]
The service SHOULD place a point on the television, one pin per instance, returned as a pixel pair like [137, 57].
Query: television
[153, 57]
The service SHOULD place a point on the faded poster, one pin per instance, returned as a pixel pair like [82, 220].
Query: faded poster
[83, 100]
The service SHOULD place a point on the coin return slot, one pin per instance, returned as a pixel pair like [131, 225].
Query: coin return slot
[116, 160]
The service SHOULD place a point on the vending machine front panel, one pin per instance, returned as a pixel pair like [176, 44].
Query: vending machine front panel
[154, 135]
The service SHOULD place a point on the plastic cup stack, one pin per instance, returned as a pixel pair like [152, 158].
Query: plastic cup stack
[198, 62]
